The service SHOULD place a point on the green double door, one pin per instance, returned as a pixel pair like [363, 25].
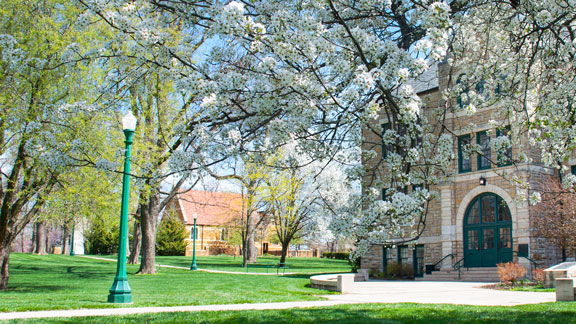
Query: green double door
[487, 232]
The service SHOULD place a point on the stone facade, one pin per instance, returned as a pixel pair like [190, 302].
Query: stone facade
[444, 233]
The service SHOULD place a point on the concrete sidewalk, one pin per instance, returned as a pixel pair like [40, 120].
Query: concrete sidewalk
[424, 292]
[439, 292]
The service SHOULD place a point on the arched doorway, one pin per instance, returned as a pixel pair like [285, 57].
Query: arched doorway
[487, 231]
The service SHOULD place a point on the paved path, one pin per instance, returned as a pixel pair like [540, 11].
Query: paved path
[439, 292]
[461, 293]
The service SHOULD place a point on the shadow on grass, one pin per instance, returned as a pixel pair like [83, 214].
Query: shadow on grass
[35, 288]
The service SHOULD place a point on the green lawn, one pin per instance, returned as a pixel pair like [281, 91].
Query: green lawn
[561, 313]
[64, 282]
[229, 263]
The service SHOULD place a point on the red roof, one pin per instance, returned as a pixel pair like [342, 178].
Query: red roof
[213, 208]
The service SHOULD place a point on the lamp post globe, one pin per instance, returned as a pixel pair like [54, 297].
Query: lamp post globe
[194, 266]
[120, 291]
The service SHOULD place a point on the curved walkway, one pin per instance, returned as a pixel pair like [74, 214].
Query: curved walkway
[424, 292]
[439, 292]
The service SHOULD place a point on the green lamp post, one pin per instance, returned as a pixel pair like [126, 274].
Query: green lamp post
[194, 266]
[120, 291]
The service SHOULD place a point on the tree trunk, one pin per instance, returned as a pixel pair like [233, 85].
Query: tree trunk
[41, 238]
[244, 252]
[33, 247]
[148, 217]
[136, 243]
[251, 250]
[285, 246]
[4, 261]
[65, 238]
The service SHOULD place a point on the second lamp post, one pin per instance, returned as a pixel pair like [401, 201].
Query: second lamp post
[194, 266]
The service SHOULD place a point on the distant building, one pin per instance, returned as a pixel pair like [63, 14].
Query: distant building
[219, 215]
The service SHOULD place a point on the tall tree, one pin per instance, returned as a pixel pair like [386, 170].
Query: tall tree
[38, 127]
[249, 171]
[256, 75]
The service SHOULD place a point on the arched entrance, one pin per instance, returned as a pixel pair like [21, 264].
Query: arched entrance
[487, 231]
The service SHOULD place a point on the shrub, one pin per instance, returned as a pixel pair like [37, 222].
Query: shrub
[336, 255]
[221, 247]
[399, 271]
[538, 276]
[355, 264]
[102, 237]
[510, 272]
[171, 236]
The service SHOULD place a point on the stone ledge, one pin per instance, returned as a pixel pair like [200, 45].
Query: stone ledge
[342, 282]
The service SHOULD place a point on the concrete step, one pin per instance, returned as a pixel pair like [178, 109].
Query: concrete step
[466, 274]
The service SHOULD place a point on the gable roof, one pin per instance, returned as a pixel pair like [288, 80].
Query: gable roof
[212, 208]
[426, 81]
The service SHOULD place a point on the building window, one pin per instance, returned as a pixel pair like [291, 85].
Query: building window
[464, 160]
[485, 156]
[462, 100]
[224, 234]
[573, 169]
[386, 147]
[194, 233]
[402, 254]
[387, 258]
[505, 156]
[418, 261]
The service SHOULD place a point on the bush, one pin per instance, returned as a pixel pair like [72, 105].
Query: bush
[336, 255]
[221, 247]
[511, 272]
[171, 236]
[102, 237]
[399, 271]
[355, 264]
[538, 276]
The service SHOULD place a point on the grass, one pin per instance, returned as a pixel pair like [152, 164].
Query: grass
[538, 288]
[521, 287]
[64, 282]
[229, 263]
[367, 313]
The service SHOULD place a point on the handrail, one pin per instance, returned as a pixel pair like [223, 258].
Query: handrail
[458, 265]
[532, 262]
[444, 258]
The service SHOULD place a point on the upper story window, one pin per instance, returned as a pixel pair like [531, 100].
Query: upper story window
[462, 100]
[386, 147]
[504, 157]
[464, 160]
[484, 159]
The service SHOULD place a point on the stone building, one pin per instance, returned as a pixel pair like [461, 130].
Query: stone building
[476, 222]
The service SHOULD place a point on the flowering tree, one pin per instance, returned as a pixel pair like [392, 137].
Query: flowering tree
[39, 130]
[521, 53]
[256, 75]
[248, 171]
